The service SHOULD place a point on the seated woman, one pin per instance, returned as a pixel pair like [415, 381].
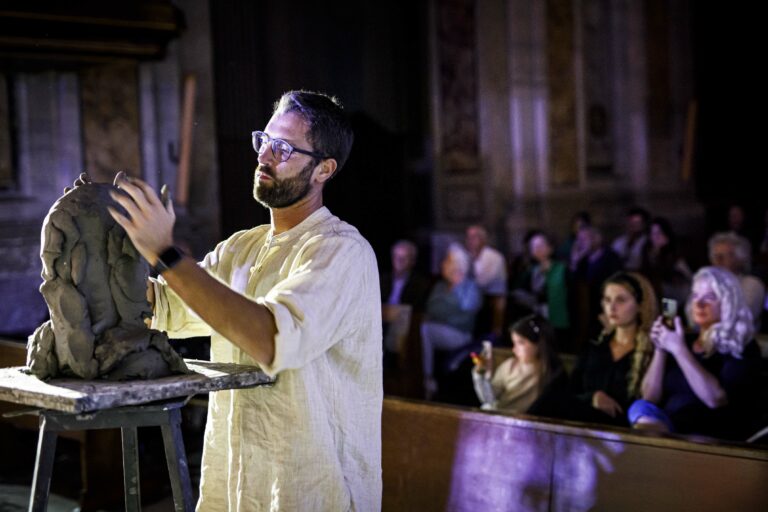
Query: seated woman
[450, 313]
[608, 374]
[533, 373]
[702, 383]
[543, 288]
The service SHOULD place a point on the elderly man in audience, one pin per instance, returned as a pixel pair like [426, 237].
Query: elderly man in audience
[629, 246]
[733, 253]
[403, 293]
[403, 285]
[703, 383]
[489, 271]
[450, 313]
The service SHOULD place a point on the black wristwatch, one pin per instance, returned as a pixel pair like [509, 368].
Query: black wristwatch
[168, 259]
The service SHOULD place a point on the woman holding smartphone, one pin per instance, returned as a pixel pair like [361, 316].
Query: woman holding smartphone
[701, 384]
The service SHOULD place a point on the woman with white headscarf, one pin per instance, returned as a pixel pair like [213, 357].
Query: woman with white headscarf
[702, 383]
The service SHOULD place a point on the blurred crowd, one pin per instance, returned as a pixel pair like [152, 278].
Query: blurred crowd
[622, 332]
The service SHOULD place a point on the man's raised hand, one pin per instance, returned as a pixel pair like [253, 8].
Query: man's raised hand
[149, 222]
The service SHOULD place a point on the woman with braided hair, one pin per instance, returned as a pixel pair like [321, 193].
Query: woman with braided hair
[609, 373]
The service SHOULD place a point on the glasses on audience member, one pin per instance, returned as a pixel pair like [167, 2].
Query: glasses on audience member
[280, 149]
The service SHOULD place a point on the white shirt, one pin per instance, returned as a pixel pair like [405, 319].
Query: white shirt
[489, 270]
[313, 440]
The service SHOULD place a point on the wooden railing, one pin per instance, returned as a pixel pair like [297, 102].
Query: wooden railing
[438, 457]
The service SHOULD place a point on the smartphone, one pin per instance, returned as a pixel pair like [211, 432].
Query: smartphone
[669, 312]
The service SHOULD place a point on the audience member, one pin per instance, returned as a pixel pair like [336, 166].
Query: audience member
[544, 290]
[702, 384]
[733, 253]
[737, 220]
[662, 264]
[530, 376]
[450, 313]
[579, 220]
[489, 271]
[591, 264]
[403, 293]
[629, 246]
[402, 285]
[609, 373]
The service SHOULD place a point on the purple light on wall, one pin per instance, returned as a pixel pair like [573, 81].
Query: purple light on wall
[496, 467]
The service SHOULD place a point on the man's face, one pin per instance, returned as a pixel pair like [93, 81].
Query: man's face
[635, 224]
[402, 261]
[474, 239]
[724, 256]
[281, 184]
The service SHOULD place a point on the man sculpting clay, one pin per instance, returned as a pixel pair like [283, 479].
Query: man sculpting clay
[300, 298]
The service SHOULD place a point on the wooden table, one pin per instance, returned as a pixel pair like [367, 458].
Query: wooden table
[75, 404]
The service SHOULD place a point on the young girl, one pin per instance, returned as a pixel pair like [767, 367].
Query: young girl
[521, 380]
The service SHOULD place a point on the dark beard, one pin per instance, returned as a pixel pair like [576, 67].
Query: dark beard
[282, 193]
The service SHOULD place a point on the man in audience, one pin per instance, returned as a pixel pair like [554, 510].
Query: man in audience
[402, 285]
[489, 271]
[403, 293]
[733, 252]
[629, 246]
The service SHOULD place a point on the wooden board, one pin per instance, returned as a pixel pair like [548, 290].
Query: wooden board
[77, 395]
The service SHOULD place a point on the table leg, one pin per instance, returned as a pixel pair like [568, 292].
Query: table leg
[131, 470]
[178, 469]
[41, 482]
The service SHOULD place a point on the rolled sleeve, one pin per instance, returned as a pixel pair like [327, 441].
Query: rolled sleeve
[326, 278]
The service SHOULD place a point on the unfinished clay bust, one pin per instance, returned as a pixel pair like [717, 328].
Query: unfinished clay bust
[94, 282]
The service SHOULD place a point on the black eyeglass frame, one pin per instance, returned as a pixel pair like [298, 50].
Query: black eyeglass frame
[271, 141]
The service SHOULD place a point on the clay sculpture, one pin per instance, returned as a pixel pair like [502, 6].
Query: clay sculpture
[94, 283]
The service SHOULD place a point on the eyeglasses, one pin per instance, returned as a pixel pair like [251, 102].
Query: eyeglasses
[281, 149]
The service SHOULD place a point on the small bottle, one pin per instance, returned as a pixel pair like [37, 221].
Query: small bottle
[487, 356]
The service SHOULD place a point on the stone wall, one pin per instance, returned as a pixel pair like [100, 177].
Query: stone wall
[580, 105]
[103, 117]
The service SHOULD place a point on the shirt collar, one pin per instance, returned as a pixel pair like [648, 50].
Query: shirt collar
[318, 216]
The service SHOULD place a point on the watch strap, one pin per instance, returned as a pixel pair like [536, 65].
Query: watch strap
[168, 259]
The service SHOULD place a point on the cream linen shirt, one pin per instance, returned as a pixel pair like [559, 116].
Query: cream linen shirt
[313, 440]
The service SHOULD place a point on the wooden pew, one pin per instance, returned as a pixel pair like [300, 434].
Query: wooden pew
[438, 457]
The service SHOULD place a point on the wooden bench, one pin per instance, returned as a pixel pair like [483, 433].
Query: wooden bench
[453, 458]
